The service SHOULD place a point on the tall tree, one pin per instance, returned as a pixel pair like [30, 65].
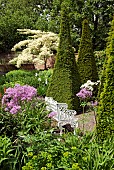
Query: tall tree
[99, 14]
[105, 127]
[45, 15]
[65, 81]
[15, 14]
[86, 61]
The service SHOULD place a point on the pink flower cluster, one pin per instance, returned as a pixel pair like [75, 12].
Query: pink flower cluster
[13, 97]
[94, 103]
[84, 93]
[52, 114]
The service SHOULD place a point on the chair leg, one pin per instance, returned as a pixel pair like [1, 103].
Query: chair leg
[61, 128]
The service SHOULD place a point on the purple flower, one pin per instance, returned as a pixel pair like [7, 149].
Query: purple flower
[15, 109]
[11, 101]
[84, 93]
[94, 103]
[52, 114]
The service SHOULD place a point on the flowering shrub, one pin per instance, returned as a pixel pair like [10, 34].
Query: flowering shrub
[13, 97]
[39, 47]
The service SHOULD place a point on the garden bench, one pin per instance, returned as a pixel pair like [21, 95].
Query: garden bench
[63, 115]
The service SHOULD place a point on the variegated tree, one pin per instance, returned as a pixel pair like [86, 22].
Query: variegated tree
[37, 48]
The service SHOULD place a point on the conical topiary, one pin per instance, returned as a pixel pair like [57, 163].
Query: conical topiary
[102, 79]
[65, 81]
[105, 125]
[86, 61]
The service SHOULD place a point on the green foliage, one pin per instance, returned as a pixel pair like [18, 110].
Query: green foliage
[102, 78]
[6, 153]
[14, 14]
[2, 81]
[100, 57]
[86, 61]
[30, 121]
[37, 79]
[31, 117]
[27, 142]
[65, 80]
[72, 153]
[45, 77]
[45, 15]
[105, 126]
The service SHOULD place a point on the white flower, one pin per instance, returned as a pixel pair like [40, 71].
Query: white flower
[39, 79]
[40, 45]
[90, 88]
[36, 74]
[89, 85]
[98, 81]
[89, 82]
[46, 82]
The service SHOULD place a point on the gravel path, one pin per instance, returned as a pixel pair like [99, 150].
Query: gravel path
[89, 121]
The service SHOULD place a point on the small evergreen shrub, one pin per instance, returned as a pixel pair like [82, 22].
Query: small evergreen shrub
[37, 79]
[26, 77]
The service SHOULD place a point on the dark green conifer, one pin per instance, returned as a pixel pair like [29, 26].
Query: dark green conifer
[102, 79]
[86, 61]
[65, 81]
[105, 126]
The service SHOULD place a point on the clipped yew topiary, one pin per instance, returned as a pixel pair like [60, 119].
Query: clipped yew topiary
[86, 61]
[102, 79]
[65, 79]
[105, 125]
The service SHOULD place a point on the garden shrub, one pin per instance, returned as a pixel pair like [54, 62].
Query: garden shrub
[2, 81]
[65, 80]
[105, 126]
[86, 60]
[37, 79]
[26, 77]
[100, 57]
[102, 79]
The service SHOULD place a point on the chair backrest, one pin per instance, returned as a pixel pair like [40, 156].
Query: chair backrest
[51, 104]
[63, 114]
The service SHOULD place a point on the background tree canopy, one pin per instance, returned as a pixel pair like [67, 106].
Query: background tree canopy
[45, 15]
